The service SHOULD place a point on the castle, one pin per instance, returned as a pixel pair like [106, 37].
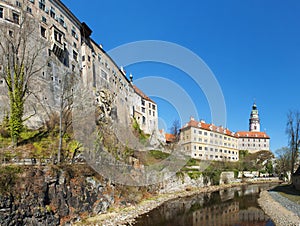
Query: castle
[69, 49]
[210, 142]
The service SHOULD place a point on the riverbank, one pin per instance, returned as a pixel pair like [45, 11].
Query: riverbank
[273, 206]
[127, 216]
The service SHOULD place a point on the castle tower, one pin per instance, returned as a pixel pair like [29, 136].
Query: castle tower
[254, 122]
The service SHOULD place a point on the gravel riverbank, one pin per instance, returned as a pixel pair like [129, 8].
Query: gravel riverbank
[281, 210]
[127, 216]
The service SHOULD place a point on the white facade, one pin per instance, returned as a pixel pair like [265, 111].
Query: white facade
[253, 140]
[145, 112]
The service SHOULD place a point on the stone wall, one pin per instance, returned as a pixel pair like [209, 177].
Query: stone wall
[227, 178]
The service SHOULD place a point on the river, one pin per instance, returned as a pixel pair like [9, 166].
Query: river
[234, 206]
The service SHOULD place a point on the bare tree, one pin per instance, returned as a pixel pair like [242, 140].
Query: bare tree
[65, 107]
[20, 52]
[293, 132]
[175, 129]
[283, 162]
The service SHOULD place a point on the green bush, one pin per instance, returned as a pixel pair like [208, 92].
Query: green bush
[159, 154]
[213, 175]
[194, 174]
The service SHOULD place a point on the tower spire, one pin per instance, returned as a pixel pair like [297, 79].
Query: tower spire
[254, 121]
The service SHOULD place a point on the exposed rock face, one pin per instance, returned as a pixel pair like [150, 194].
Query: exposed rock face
[44, 196]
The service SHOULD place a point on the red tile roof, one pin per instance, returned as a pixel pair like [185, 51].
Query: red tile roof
[143, 95]
[208, 127]
[170, 137]
[248, 134]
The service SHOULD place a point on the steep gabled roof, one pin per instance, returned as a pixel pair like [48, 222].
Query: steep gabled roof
[141, 94]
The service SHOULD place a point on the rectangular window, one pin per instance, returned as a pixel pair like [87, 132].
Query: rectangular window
[103, 74]
[144, 120]
[52, 12]
[153, 113]
[149, 105]
[74, 34]
[43, 32]
[29, 10]
[143, 109]
[83, 58]
[149, 112]
[44, 20]
[62, 20]
[18, 4]
[42, 4]
[143, 102]
[16, 18]
[75, 55]
[58, 38]
[1, 12]
[153, 107]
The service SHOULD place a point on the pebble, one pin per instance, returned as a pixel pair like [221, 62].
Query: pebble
[274, 205]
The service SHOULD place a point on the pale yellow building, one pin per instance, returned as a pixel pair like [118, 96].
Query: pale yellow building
[209, 142]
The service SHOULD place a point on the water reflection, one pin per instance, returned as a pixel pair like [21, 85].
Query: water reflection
[235, 206]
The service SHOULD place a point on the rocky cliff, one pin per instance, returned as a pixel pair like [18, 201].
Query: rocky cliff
[51, 195]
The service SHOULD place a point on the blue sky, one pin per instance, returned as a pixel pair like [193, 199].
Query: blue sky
[252, 47]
